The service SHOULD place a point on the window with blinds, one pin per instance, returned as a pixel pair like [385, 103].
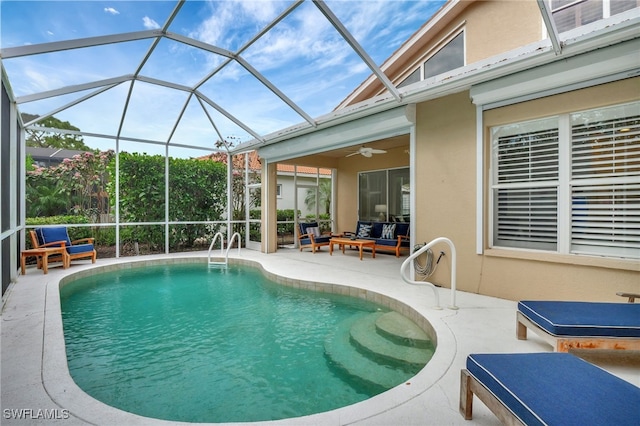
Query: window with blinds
[605, 181]
[525, 188]
[569, 184]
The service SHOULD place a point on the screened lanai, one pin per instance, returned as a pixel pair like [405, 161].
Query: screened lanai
[175, 81]
[153, 90]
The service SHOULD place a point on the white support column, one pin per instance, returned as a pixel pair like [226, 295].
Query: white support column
[117, 198]
[166, 199]
[229, 195]
[412, 195]
[479, 180]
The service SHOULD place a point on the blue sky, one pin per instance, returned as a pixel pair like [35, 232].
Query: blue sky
[303, 56]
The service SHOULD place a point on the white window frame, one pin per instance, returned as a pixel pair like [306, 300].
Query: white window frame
[567, 225]
[444, 42]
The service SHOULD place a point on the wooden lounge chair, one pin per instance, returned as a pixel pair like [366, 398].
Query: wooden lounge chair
[309, 236]
[53, 236]
[581, 325]
[547, 389]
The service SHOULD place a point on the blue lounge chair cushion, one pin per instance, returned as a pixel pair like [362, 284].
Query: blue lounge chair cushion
[565, 318]
[557, 388]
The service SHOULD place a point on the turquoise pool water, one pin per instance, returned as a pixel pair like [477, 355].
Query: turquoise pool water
[189, 343]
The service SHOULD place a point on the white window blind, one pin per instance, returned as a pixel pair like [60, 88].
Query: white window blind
[605, 154]
[526, 181]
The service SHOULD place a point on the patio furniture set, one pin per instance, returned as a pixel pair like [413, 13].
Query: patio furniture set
[52, 244]
[377, 236]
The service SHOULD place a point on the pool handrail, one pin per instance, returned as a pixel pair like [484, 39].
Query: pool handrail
[233, 237]
[409, 260]
[215, 238]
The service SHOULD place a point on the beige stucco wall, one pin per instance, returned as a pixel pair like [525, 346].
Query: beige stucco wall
[445, 184]
[446, 204]
[493, 27]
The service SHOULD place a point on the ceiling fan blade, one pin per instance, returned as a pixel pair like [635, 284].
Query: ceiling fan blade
[378, 151]
[352, 154]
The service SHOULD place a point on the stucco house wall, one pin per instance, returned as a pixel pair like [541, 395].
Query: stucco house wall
[446, 203]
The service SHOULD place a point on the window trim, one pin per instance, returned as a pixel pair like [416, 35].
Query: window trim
[566, 248]
[418, 64]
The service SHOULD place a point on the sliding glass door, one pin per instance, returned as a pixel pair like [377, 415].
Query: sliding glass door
[384, 195]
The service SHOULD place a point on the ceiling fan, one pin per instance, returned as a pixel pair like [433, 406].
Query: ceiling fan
[365, 151]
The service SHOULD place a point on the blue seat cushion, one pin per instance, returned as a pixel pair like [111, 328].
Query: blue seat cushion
[80, 248]
[391, 243]
[565, 318]
[402, 228]
[376, 230]
[50, 235]
[318, 240]
[557, 388]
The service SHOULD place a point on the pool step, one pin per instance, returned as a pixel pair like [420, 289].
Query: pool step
[399, 350]
[402, 330]
[379, 350]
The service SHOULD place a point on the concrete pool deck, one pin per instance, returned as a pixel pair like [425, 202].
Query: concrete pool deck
[35, 382]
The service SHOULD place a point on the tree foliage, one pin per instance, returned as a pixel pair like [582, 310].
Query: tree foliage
[197, 192]
[75, 186]
[48, 139]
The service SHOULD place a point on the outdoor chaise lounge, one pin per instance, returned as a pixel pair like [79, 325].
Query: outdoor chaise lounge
[547, 389]
[310, 236]
[581, 325]
[57, 236]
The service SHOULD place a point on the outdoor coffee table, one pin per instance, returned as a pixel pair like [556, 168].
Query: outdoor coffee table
[349, 242]
[44, 253]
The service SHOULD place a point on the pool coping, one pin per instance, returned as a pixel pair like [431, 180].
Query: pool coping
[61, 388]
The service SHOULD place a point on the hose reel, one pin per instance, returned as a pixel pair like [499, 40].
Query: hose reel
[426, 269]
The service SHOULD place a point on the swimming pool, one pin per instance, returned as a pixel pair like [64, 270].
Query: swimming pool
[192, 344]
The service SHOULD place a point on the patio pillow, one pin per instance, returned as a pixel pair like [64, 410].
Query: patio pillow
[313, 230]
[364, 230]
[388, 230]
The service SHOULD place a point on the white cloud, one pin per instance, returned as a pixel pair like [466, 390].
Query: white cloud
[149, 23]
[111, 10]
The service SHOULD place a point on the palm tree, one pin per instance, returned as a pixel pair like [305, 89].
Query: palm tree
[324, 197]
[46, 200]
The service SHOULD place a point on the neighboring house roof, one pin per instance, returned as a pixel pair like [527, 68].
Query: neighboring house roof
[58, 154]
[255, 164]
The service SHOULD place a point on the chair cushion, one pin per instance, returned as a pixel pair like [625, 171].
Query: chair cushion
[50, 235]
[313, 230]
[385, 242]
[402, 228]
[363, 230]
[376, 229]
[556, 388]
[80, 248]
[304, 226]
[388, 231]
[566, 318]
